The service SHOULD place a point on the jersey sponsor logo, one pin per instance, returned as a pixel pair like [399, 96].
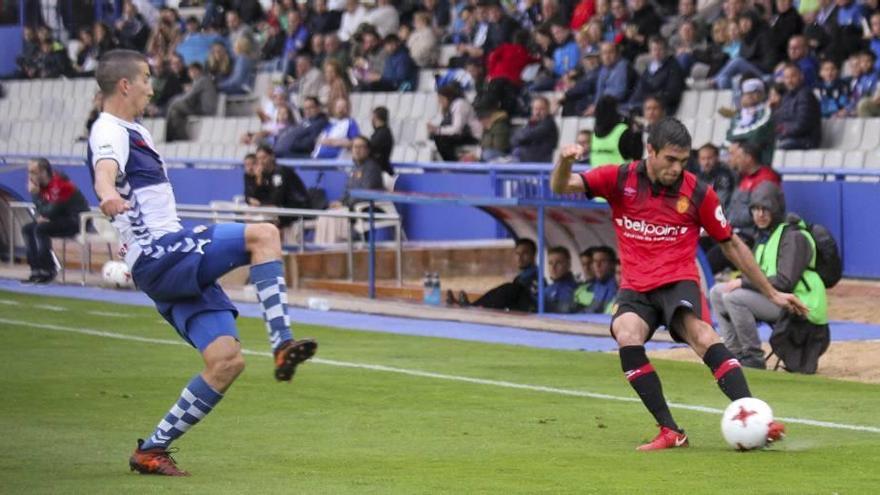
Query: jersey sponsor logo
[719, 215]
[643, 230]
[682, 205]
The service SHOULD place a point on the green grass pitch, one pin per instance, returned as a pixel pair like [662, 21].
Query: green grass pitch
[73, 404]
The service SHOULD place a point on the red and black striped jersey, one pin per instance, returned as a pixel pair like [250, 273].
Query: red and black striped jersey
[657, 226]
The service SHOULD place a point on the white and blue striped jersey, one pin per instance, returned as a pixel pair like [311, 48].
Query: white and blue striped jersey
[142, 181]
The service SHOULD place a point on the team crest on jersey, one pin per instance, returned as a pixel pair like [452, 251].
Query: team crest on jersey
[198, 229]
[682, 205]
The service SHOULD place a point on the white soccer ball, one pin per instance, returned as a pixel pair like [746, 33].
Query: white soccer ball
[116, 274]
[746, 422]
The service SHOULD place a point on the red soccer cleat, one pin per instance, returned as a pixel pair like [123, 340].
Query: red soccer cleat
[775, 432]
[290, 355]
[154, 461]
[666, 439]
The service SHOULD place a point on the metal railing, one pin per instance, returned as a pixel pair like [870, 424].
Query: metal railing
[241, 213]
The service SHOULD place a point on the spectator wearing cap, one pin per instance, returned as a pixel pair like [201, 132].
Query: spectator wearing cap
[535, 142]
[753, 122]
[384, 17]
[399, 73]
[799, 118]
[581, 93]
[663, 79]
[456, 125]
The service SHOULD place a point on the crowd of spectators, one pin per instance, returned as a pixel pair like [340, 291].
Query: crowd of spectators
[595, 291]
[817, 58]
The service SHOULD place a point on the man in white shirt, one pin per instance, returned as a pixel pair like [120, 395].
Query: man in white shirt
[177, 267]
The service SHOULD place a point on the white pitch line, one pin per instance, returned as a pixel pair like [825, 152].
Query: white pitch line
[50, 307]
[9, 302]
[438, 376]
[108, 313]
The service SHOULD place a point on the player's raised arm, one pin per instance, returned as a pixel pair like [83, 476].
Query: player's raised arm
[105, 187]
[562, 180]
[740, 255]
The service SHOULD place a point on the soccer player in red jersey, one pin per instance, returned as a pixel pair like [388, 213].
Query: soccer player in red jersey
[658, 210]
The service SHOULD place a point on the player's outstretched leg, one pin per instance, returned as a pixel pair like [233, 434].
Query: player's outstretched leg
[630, 331]
[223, 364]
[725, 367]
[267, 274]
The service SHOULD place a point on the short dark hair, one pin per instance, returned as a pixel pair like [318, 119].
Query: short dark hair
[669, 132]
[43, 164]
[313, 99]
[588, 252]
[197, 66]
[361, 137]
[250, 156]
[612, 254]
[381, 113]
[561, 250]
[751, 149]
[117, 65]
[709, 146]
[265, 148]
[658, 40]
[525, 241]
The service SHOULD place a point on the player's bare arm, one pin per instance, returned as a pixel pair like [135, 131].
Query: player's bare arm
[562, 180]
[740, 255]
[105, 186]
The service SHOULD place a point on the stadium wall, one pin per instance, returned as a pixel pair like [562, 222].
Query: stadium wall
[848, 209]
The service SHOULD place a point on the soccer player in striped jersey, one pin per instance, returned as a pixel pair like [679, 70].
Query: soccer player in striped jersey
[177, 267]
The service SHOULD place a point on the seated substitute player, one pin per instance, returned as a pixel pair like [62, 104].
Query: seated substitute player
[658, 210]
[178, 267]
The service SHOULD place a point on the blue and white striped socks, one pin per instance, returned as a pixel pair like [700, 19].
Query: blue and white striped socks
[268, 277]
[196, 400]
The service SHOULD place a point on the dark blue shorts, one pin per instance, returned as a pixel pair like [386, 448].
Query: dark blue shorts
[179, 273]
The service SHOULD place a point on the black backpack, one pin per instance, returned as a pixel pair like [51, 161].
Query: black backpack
[828, 263]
